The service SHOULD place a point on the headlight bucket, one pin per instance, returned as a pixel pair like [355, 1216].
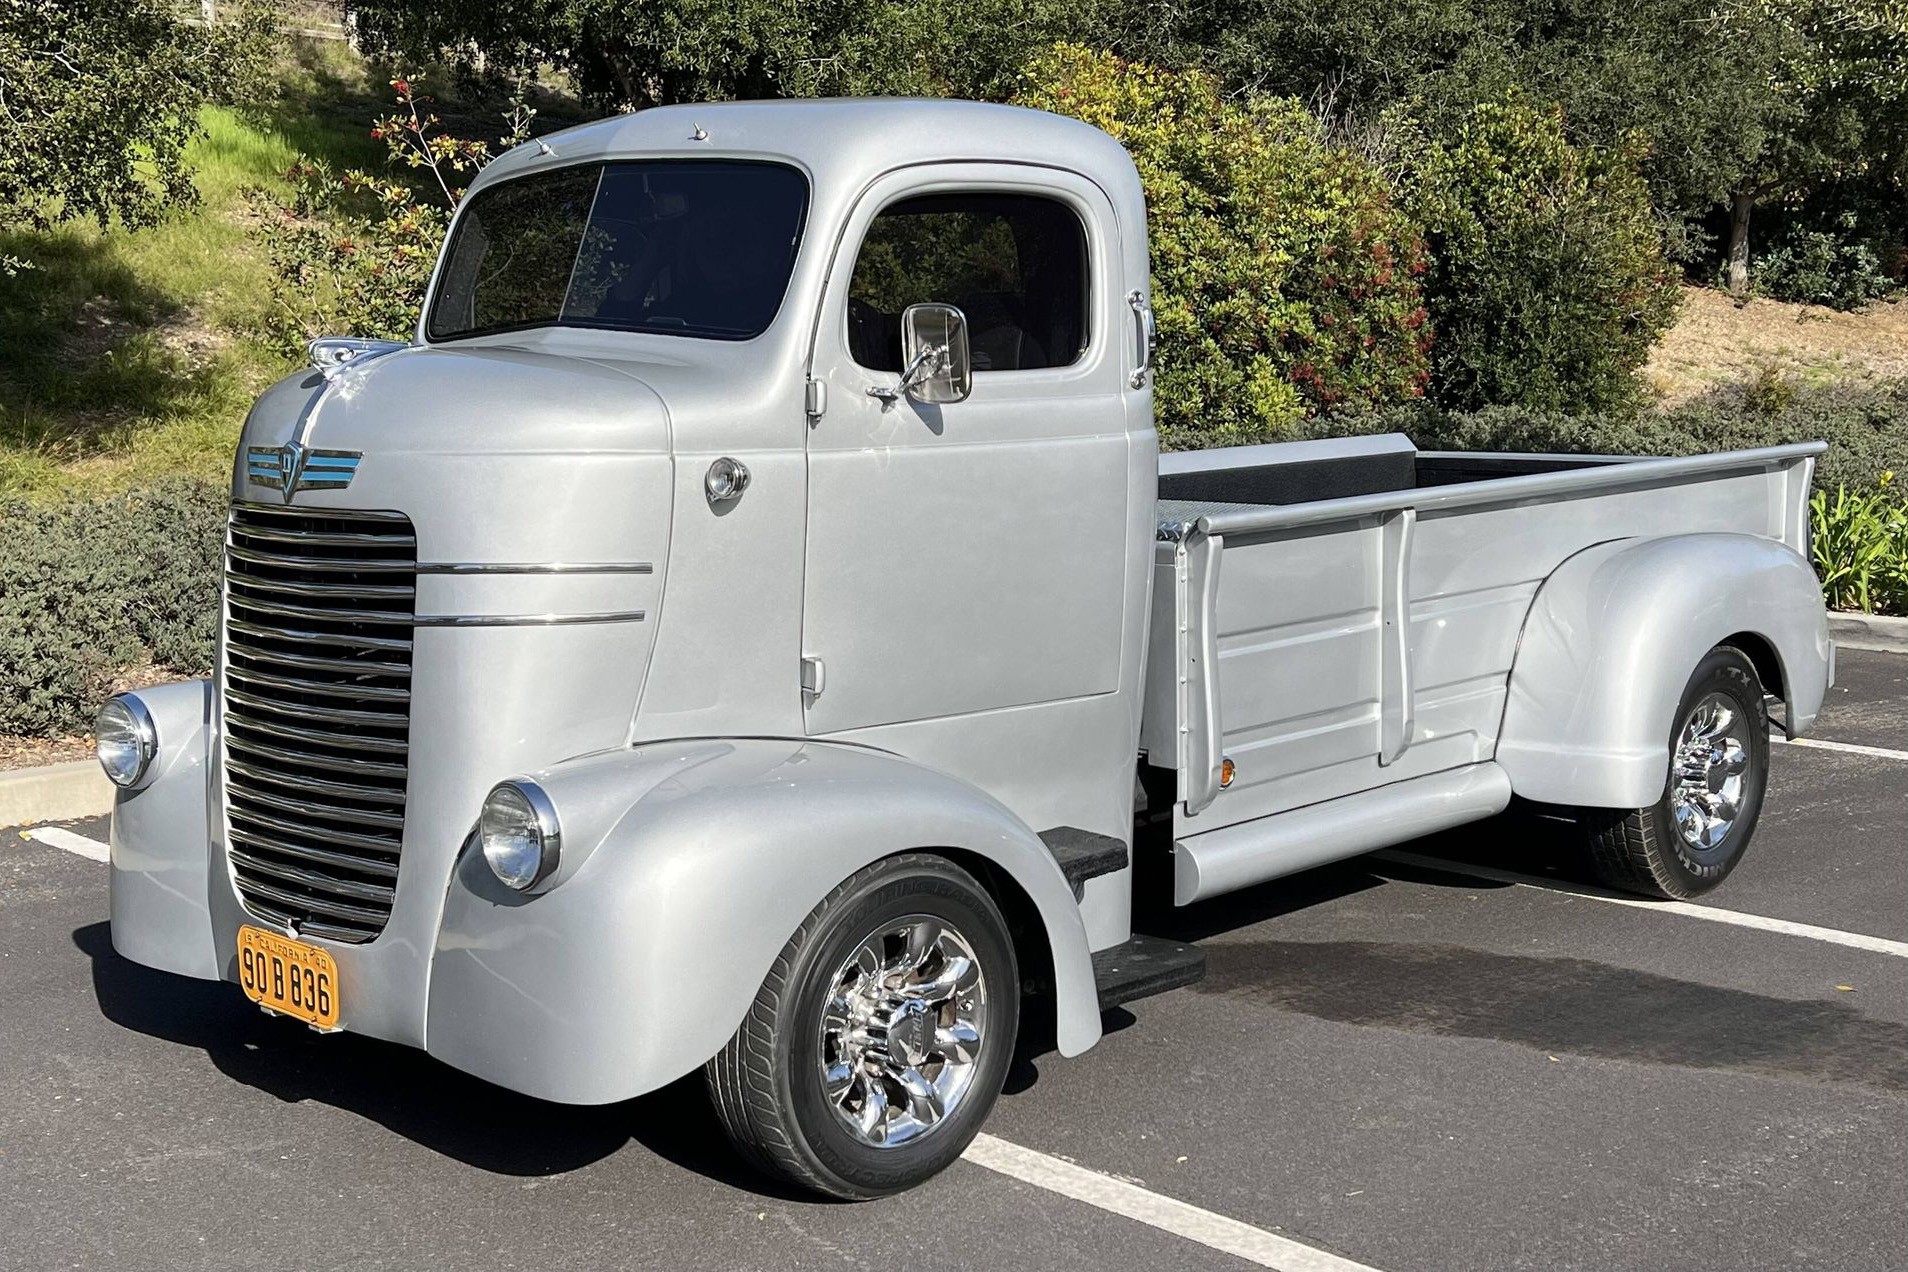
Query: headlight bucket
[519, 834]
[125, 740]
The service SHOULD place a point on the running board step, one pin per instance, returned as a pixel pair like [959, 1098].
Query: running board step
[1084, 855]
[1144, 966]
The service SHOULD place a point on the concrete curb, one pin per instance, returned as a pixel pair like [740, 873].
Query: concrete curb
[1869, 631]
[54, 792]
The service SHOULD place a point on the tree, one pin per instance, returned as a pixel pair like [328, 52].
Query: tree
[636, 53]
[97, 101]
[1843, 76]
[1682, 76]
[1285, 277]
[1740, 103]
[1549, 286]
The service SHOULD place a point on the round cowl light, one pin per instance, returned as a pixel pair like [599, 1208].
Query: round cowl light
[518, 830]
[125, 740]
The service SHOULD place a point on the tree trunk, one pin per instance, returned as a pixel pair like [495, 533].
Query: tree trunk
[1741, 204]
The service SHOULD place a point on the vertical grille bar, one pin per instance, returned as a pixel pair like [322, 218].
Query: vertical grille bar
[319, 609]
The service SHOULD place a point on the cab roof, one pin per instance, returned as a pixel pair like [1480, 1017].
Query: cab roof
[843, 143]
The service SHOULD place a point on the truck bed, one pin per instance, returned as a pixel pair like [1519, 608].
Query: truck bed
[1339, 616]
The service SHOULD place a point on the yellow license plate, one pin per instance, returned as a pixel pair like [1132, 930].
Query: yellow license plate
[288, 976]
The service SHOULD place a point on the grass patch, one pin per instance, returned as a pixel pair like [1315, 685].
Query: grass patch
[131, 355]
[126, 355]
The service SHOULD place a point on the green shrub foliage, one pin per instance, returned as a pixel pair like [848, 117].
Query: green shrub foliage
[1866, 427]
[1859, 540]
[1285, 279]
[98, 99]
[1823, 267]
[1549, 286]
[93, 591]
[351, 253]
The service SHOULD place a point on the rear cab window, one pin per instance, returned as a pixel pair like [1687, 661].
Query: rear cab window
[677, 247]
[1014, 264]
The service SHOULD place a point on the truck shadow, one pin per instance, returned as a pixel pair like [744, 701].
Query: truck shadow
[404, 1089]
[1563, 1005]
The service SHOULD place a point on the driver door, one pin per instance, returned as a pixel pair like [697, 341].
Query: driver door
[968, 557]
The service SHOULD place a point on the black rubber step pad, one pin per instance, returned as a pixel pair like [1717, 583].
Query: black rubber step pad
[1144, 966]
[1082, 854]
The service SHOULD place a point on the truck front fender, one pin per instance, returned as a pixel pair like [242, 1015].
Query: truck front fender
[1611, 640]
[161, 857]
[685, 868]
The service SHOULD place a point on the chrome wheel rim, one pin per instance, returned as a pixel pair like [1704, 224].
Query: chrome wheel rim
[901, 1031]
[1710, 774]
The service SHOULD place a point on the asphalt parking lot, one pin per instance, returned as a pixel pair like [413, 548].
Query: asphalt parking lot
[1456, 1058]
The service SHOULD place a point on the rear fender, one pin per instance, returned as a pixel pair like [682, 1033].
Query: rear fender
[686, 867]
[1609, 645]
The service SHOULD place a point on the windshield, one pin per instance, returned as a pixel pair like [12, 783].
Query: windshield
[683, 247]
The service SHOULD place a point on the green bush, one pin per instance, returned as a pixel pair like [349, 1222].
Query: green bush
[98, 99]
[1822, 267]
[1285, 279]
[1549, 285]
[1860, 545]
[1860, 532]
[351, 254]
[92, 591]
[1866, 427]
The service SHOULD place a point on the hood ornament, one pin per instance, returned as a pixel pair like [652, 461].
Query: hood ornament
[294, 466]
[332, 354]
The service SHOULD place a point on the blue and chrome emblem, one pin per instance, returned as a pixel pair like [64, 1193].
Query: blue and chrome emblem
[294, 466]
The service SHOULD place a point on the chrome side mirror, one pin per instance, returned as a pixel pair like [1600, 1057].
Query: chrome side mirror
[936, 367]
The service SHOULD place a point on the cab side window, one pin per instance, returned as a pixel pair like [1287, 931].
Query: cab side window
[1015, 264]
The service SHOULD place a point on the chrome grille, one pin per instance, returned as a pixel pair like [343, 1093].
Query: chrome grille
[318, 622]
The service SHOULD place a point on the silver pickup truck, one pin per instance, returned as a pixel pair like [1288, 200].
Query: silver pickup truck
[751, 629]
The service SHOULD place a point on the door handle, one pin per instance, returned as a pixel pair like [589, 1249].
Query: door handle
[1146, 337]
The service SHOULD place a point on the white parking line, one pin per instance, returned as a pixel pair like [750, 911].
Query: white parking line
[1129, 1200]
[1710, 913]
[1851, 748]
[78, 845]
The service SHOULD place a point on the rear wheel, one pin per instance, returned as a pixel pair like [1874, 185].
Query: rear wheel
[879, 1042]
[1689, 840]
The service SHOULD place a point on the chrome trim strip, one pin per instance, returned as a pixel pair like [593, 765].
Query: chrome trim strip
[305, 781]
[287, 610]
[325, 834]
[349, 591]
[395, 643]
[525, 620]
[351, 514]
[303, 929]
[380, 893]
[333, 763]
[551, 567]
[323, 737]
[363, 565]
[325, 538]
[333, 715]
[345, 666]
[317, 688]
[322, 905]
[317, 814]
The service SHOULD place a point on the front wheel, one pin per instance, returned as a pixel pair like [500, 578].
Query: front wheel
[1689, 840]
[879, 1042]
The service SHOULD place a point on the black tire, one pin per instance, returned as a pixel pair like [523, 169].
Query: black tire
[765, 1084]
[1641, 849]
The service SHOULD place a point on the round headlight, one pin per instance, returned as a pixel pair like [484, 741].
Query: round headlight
[125, 740]
[519, 833]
